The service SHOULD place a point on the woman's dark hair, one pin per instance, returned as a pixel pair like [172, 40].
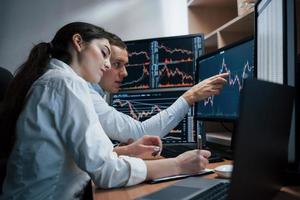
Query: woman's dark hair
[33, 68]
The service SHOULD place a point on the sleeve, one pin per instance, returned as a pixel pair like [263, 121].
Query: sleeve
[88, 144]
[119, 126]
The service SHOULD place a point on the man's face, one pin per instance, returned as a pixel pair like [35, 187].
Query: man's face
[112, 78]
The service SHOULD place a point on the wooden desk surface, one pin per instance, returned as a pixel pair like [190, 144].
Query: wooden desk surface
[287, 193]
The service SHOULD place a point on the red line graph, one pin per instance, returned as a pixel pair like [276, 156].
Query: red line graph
[139, 53]
[138, 64]
[145, 73]
[169, 73]
[171, 61]
[183, 51]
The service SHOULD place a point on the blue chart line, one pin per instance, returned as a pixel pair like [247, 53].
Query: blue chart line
[145, 110]
[142, 106]
[233, 79]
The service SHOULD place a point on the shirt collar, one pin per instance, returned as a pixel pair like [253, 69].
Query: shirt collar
[58, 64]
[98, 89]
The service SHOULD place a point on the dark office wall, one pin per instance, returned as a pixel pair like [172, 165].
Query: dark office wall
[298, 25]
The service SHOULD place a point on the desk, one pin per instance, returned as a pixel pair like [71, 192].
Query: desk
[286, 193]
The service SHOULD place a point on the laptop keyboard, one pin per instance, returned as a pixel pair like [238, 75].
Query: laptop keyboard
[175, 150]
[218, 192]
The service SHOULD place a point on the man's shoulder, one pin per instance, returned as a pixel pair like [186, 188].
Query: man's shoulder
[95, 88]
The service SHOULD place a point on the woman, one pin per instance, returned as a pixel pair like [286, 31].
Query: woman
[59, 143]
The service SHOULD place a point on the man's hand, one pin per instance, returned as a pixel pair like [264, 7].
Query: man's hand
[206, 88]
[146, 147]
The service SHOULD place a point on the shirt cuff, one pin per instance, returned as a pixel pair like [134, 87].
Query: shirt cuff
[138, 170]
[181, 105]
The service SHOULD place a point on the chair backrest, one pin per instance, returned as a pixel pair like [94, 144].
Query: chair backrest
[5, 79]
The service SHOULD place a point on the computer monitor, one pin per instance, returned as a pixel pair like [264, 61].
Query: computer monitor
[162, 62]
[236, 59]
[142, 105]
[275, 52]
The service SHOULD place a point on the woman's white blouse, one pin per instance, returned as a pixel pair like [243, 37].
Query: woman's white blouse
[61, 144]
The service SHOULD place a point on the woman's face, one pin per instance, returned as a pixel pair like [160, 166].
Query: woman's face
[93, 60]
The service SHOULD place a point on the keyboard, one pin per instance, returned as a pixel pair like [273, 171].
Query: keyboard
[202, 190]
[218, 192]
[171, 151]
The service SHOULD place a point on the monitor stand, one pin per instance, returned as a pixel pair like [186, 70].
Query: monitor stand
[216, 156]
[212, 143]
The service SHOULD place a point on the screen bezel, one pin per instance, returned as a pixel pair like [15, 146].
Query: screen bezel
[230, 46]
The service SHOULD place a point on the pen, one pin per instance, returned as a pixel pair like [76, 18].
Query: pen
[199, 142]
[156, 151]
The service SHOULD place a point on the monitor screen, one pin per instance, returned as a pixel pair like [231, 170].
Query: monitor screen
[236, 59]
[276, 41]
[141, 105]
[162, 62]
[270, 41]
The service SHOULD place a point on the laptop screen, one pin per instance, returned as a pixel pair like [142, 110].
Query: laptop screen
[260, 157]
[143, 104]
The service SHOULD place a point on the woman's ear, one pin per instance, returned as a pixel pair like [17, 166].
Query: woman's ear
[77, 42]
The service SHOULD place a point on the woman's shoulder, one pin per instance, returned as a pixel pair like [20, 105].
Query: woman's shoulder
[61, 79]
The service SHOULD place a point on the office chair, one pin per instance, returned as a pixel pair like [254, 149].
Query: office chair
[5, 79]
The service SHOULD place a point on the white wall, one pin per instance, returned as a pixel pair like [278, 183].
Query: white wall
[25, 23]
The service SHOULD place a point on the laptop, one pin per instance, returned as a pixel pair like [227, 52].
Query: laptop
[261, 149]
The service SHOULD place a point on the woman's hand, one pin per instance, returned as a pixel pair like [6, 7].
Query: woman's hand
[192, 161]
[146, 147]
[206, 88]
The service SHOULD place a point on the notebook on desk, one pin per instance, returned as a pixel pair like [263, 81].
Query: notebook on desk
[260, 154]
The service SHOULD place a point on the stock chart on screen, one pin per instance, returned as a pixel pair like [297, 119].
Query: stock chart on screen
[162, 62]
[138, 66]
[237, 59]
[141, 105]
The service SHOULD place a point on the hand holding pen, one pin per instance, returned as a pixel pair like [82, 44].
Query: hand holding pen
[199, 142]
[146, 147]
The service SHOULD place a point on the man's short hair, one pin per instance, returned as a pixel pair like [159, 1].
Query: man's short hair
[116, 41]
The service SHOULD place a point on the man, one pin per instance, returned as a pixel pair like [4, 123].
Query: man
[119, 125]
